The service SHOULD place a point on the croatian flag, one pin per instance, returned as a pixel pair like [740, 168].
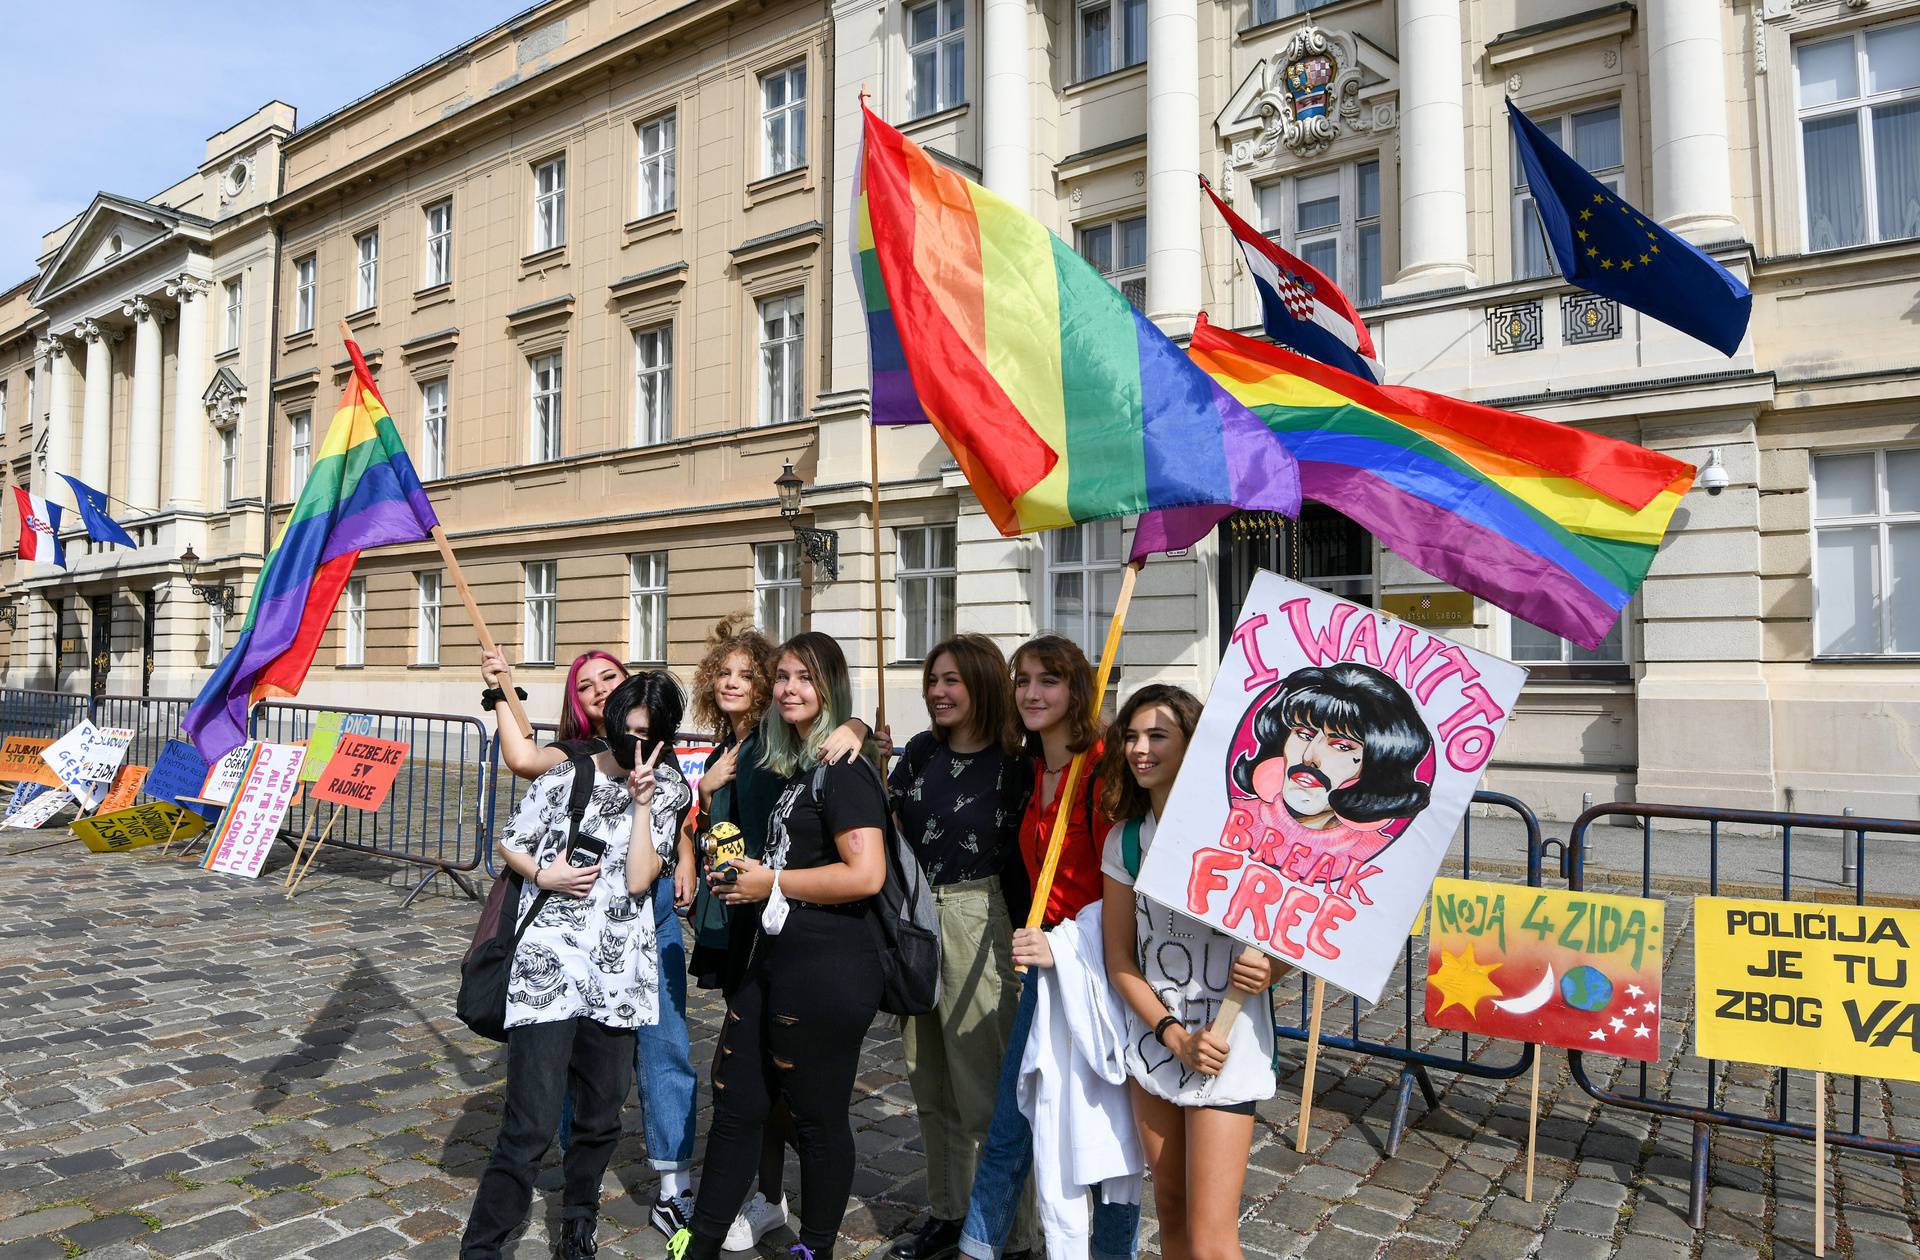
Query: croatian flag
[39, 529]
[1302, 309]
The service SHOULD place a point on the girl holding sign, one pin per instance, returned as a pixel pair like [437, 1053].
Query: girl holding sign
[1193, 1090]
[586, 971]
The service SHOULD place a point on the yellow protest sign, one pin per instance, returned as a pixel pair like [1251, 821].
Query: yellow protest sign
[137, 827]
[1796, 985]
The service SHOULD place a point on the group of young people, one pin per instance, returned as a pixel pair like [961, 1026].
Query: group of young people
[784, 928]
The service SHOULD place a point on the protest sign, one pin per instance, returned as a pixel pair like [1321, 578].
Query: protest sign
[21, 762]
[178, 771]
[693, 763]
[328, 727]
[39, 809]
[1573, 969]
[124, 788]
[1336, 755]
[67, 756]
[1819, 987]
[119, 830]
[223, 777]
[24, 792]
[361, 772]
[246, 833]
[105, 751]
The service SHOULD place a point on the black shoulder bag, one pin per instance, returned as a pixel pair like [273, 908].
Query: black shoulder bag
[488, 966]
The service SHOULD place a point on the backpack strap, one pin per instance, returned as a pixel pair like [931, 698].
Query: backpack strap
[1130, 847]
[579, 794]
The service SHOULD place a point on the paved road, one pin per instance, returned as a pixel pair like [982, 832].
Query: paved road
[189, 1066]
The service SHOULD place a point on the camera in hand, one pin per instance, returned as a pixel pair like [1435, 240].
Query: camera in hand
[586, 851]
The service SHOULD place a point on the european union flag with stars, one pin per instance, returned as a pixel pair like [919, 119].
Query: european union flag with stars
[1606, 246]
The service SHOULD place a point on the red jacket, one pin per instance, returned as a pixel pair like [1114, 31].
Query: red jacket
[1076, 881]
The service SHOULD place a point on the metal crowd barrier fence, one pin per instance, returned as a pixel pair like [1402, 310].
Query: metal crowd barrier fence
[1413, 1044]
[153, 719]
[40, 714]
[1712, 1110]
[436, 816]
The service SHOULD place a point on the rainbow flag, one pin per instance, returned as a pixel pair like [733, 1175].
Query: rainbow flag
[1060, 401]
[361, 493]
[1553, 524]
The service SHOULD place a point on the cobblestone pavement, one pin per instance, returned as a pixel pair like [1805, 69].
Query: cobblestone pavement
[191, 1065]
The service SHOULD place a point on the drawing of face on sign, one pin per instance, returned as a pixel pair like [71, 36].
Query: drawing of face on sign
[1328, 767]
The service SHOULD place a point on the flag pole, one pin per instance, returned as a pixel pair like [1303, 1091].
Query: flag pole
[879, 597]
[466, 596]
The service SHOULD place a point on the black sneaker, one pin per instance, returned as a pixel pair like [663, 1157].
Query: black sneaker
[671, 1213]
[934, 1240]
[576, 1239]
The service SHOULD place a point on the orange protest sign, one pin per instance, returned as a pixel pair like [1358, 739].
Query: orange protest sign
[361, 771]
[20, 761]
[126, 786]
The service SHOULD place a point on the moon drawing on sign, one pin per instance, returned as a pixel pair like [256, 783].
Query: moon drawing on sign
[1528, 1003]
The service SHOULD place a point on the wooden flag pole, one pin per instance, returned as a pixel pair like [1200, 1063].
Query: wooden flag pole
[879, 589]
[1533, 1117]
[1313, 1065]
[299, 850]
[1819, 1163]
[1043, 886]
[325, 832]
[466, 594]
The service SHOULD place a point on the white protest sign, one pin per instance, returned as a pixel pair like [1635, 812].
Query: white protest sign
[38, 810]
[268, 782]
[223, 777]
[1337, 753]
[67, 756]
[105, 752]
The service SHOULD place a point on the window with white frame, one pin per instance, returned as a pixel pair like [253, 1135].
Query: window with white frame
[1859, 108]
[1866, 556]
[550, 204]
[1083, 582]
[1543, 647]
[439, 260]
[783, 120]
[433, 429]
[1592, 136]
[1111, 35]
[216, 635]
[924, 573]
[937, 51]
[542, 611]
[305, 273]
[235, 293]
[1330, 219]
[426, 647]
[783, 344]
[1118, 251]
[299, 452]
[658, 145]
[366, 281]
[229, 464]
[647, 607]
[544, 370]
[652, 384]
[1265, 11]
[353, 642]
[776, 589]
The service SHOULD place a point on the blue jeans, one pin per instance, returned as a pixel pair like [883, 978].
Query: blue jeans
[662, 1053]
[1007, 1159]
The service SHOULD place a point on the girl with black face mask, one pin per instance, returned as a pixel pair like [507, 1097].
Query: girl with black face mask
[586, 972]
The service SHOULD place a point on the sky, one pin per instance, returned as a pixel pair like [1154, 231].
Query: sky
[121, 96]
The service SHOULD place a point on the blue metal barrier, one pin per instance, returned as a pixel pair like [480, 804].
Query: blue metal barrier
[40, 714]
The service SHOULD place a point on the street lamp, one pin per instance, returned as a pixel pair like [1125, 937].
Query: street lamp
[822, 546]
[217, 596]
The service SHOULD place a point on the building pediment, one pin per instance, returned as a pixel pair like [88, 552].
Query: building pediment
[224, 397]
[1317, 87]
[112, 233]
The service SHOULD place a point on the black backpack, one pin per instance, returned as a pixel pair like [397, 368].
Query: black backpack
[481, 1003]
[905, 919]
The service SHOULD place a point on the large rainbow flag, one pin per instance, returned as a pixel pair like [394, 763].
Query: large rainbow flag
[1553, 524]
[1060, 401]
[361, 493]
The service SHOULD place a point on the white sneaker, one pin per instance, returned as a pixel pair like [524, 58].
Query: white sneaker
[755, 1221]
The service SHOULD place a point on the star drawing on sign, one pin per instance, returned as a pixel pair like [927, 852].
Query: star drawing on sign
[1634, 990]
[1463, 980]
[1597, 1035]
[1617, 1024]
[1640, 1030]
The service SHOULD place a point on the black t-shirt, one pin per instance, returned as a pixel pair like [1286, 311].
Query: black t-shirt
[961, 811]
[800, 833]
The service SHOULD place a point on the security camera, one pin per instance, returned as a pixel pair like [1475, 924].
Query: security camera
[1713, 474]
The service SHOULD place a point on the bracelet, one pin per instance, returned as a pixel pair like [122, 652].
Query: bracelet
[494, 695]
[1160, 1029]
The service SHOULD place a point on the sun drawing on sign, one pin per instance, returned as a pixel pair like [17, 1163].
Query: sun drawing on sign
[1464, 981]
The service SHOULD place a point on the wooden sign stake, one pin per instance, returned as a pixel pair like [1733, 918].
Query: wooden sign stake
[299, 850]
[1533, 1116]
[1819, 1163]
[1313, 1064]
[327, 831]
[173, 830]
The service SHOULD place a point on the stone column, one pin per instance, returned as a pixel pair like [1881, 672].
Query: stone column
[188, 473]
[59, 422]
[143, 445]
[1433, 149]
[1174, 263]
[1686, 71]
[96, 417]
[1006, 96]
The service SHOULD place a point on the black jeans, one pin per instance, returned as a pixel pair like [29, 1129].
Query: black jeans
[793, 1031]
[544, 1061]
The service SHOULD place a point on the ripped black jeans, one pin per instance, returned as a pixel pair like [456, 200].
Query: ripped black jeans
[793, 1031]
